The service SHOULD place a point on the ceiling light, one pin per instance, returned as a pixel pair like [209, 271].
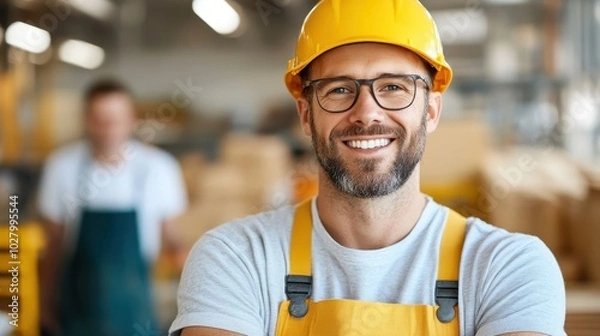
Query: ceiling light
[81, 54]
[27, 37]
[218, 14]
[99, 9]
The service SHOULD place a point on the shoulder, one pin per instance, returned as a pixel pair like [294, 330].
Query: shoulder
[243, 252]
[511, 282]
[71, 151]
[68, 154]
[232, 276]
[155, 155]
[160, 163]
[274, 225]
[498, 262]
[492, 242]
[264, 232]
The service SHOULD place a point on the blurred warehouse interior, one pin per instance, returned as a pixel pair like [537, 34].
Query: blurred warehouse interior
[519, 144]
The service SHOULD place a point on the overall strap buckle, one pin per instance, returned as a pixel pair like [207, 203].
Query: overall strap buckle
[298, 289]
[446, 297]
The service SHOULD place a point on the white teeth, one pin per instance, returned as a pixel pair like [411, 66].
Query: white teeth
[369, 144]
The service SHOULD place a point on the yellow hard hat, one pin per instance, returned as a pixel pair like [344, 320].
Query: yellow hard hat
[333, 23]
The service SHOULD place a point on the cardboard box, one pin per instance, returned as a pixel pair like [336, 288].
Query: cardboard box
[221, 181]
[592, 221]
[583, 311]
[570, 266]
[531, 191]
[206, 215]
[242, 146]
[264, 163]
[192, 167]
[585, 227]
[456, 151]
[526, 213]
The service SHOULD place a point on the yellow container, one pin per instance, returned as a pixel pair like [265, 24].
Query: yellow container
[19, 251]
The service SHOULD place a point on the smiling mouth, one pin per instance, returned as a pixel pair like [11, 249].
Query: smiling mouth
[368, 144]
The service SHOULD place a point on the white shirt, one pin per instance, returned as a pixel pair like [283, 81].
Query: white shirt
[147, 179]
[234, 278]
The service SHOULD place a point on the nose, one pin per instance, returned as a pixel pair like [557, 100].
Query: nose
[366, 111]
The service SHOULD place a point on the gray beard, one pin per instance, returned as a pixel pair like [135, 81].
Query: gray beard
[365, 183]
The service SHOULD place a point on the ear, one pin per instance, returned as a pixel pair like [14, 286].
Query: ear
[303, 107]
[434, 111]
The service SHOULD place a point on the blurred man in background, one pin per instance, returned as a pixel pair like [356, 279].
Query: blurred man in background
[105, 201]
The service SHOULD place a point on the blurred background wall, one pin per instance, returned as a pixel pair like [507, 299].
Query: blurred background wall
[519, 143]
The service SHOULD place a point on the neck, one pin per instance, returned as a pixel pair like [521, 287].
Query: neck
[370, 223]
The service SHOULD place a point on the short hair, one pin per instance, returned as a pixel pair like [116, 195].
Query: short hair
[103, 87]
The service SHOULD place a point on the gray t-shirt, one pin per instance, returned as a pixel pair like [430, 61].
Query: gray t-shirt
[234, 276]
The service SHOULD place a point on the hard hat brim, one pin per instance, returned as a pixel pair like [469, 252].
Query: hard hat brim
[293, 82]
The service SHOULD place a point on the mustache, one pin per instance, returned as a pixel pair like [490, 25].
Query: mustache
[355, 130]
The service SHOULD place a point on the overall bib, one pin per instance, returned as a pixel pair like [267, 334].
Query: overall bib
[106, 287]
[300, 316]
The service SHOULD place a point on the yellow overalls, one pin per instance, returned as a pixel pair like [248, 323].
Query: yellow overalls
[300, 316]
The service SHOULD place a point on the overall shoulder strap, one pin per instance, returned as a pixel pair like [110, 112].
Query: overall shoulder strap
[451, 247]
[298, 283]
[446, 288]
[301, 241]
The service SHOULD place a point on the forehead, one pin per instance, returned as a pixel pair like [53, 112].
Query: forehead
[111, 103]
[366, 60]
[113, 98]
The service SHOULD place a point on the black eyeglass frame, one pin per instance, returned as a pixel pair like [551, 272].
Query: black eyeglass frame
[369, 82]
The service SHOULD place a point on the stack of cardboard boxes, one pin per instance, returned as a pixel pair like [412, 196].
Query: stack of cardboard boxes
[250, 175]
[265, 167]
[544, 193]
[538, 191]
[585, 226]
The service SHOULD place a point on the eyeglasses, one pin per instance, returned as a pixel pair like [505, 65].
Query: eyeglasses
[391, 92]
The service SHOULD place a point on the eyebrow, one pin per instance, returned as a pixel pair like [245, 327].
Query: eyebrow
[379, 74]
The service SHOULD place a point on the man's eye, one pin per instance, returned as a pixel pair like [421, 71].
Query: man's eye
[393, 87]
[339, 90]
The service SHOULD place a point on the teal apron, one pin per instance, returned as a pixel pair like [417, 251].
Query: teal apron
[106, 287]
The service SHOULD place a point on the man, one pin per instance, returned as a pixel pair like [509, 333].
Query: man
[105, 201]
[371, 255]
